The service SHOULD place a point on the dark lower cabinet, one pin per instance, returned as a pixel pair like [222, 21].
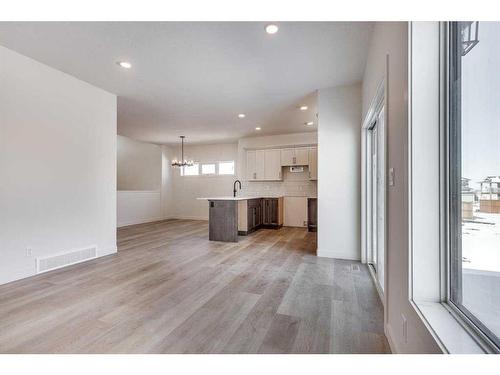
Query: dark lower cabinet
[270, 208]
[312, 214]
[223, 221]
[254, 214]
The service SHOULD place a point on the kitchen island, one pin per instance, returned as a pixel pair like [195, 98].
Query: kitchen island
[232, 216]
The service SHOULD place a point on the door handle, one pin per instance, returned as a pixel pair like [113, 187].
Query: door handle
[294, 160]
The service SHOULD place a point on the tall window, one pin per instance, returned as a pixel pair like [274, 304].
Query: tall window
[474, 174]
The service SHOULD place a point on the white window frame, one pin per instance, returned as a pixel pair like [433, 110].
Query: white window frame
[226, 174]
[428, 192]
[181, 172]
[216, 169]
[377, 105]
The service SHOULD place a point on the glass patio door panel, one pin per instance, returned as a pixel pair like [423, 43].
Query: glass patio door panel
[376, 197]
[380, 199]
[474, 173]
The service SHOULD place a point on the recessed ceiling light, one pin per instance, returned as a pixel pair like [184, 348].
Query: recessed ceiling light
[309, 123]
[241, 115]
[303, 108]
[124, 64]
[272, 28]
[257, 128]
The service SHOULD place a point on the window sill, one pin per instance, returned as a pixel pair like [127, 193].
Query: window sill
[451, 336]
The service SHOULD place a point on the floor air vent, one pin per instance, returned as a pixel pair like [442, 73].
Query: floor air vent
[53, 262]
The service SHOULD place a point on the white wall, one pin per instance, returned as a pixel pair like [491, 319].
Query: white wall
[339, 172]
[187, 188]
[140, 181]
[391, 39]
[138, 165]
[57, 165]
[135, 207]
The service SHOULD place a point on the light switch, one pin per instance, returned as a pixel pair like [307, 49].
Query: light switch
[391, 176]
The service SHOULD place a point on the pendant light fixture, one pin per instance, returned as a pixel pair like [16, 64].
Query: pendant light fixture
[182, 162]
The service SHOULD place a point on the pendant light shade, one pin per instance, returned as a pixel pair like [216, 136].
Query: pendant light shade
[183, 162]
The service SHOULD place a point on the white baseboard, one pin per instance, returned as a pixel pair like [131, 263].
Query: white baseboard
[142, 221]
[181, 217]
[102, 253]
[326, 253]
[388, 335]
[152, 220]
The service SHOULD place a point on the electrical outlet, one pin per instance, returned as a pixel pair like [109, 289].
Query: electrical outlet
[405, 328]
[29, 251]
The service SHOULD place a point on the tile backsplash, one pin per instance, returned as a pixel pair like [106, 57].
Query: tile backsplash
[293, 185]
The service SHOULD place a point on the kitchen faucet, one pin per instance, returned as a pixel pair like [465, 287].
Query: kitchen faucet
[234, 187]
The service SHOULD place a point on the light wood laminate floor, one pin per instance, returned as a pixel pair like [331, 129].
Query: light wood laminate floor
[170, 290]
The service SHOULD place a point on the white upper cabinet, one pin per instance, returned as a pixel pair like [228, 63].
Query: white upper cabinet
[251, 172]
[266, 165]
[313, 163]
[272, 165]
[301, 156]
[287, 157]
[263, 165]
[260, 164]
[294, 156]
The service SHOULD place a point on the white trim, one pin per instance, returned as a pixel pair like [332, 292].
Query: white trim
[449, 329]
[112, 250]
[326, 253]
[142, 221]
[388, 335]
[451, 336]
[156, 220]
[379, 102]
[199, 218]
[377, 284]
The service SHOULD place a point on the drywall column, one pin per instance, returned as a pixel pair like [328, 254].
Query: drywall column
[339, 150]
[167, 194]
[389, 53]
[57, 165]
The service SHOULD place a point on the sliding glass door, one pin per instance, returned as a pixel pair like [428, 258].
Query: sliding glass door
[376, 197]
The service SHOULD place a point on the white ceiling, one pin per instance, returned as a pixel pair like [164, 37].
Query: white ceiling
[193, 78]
